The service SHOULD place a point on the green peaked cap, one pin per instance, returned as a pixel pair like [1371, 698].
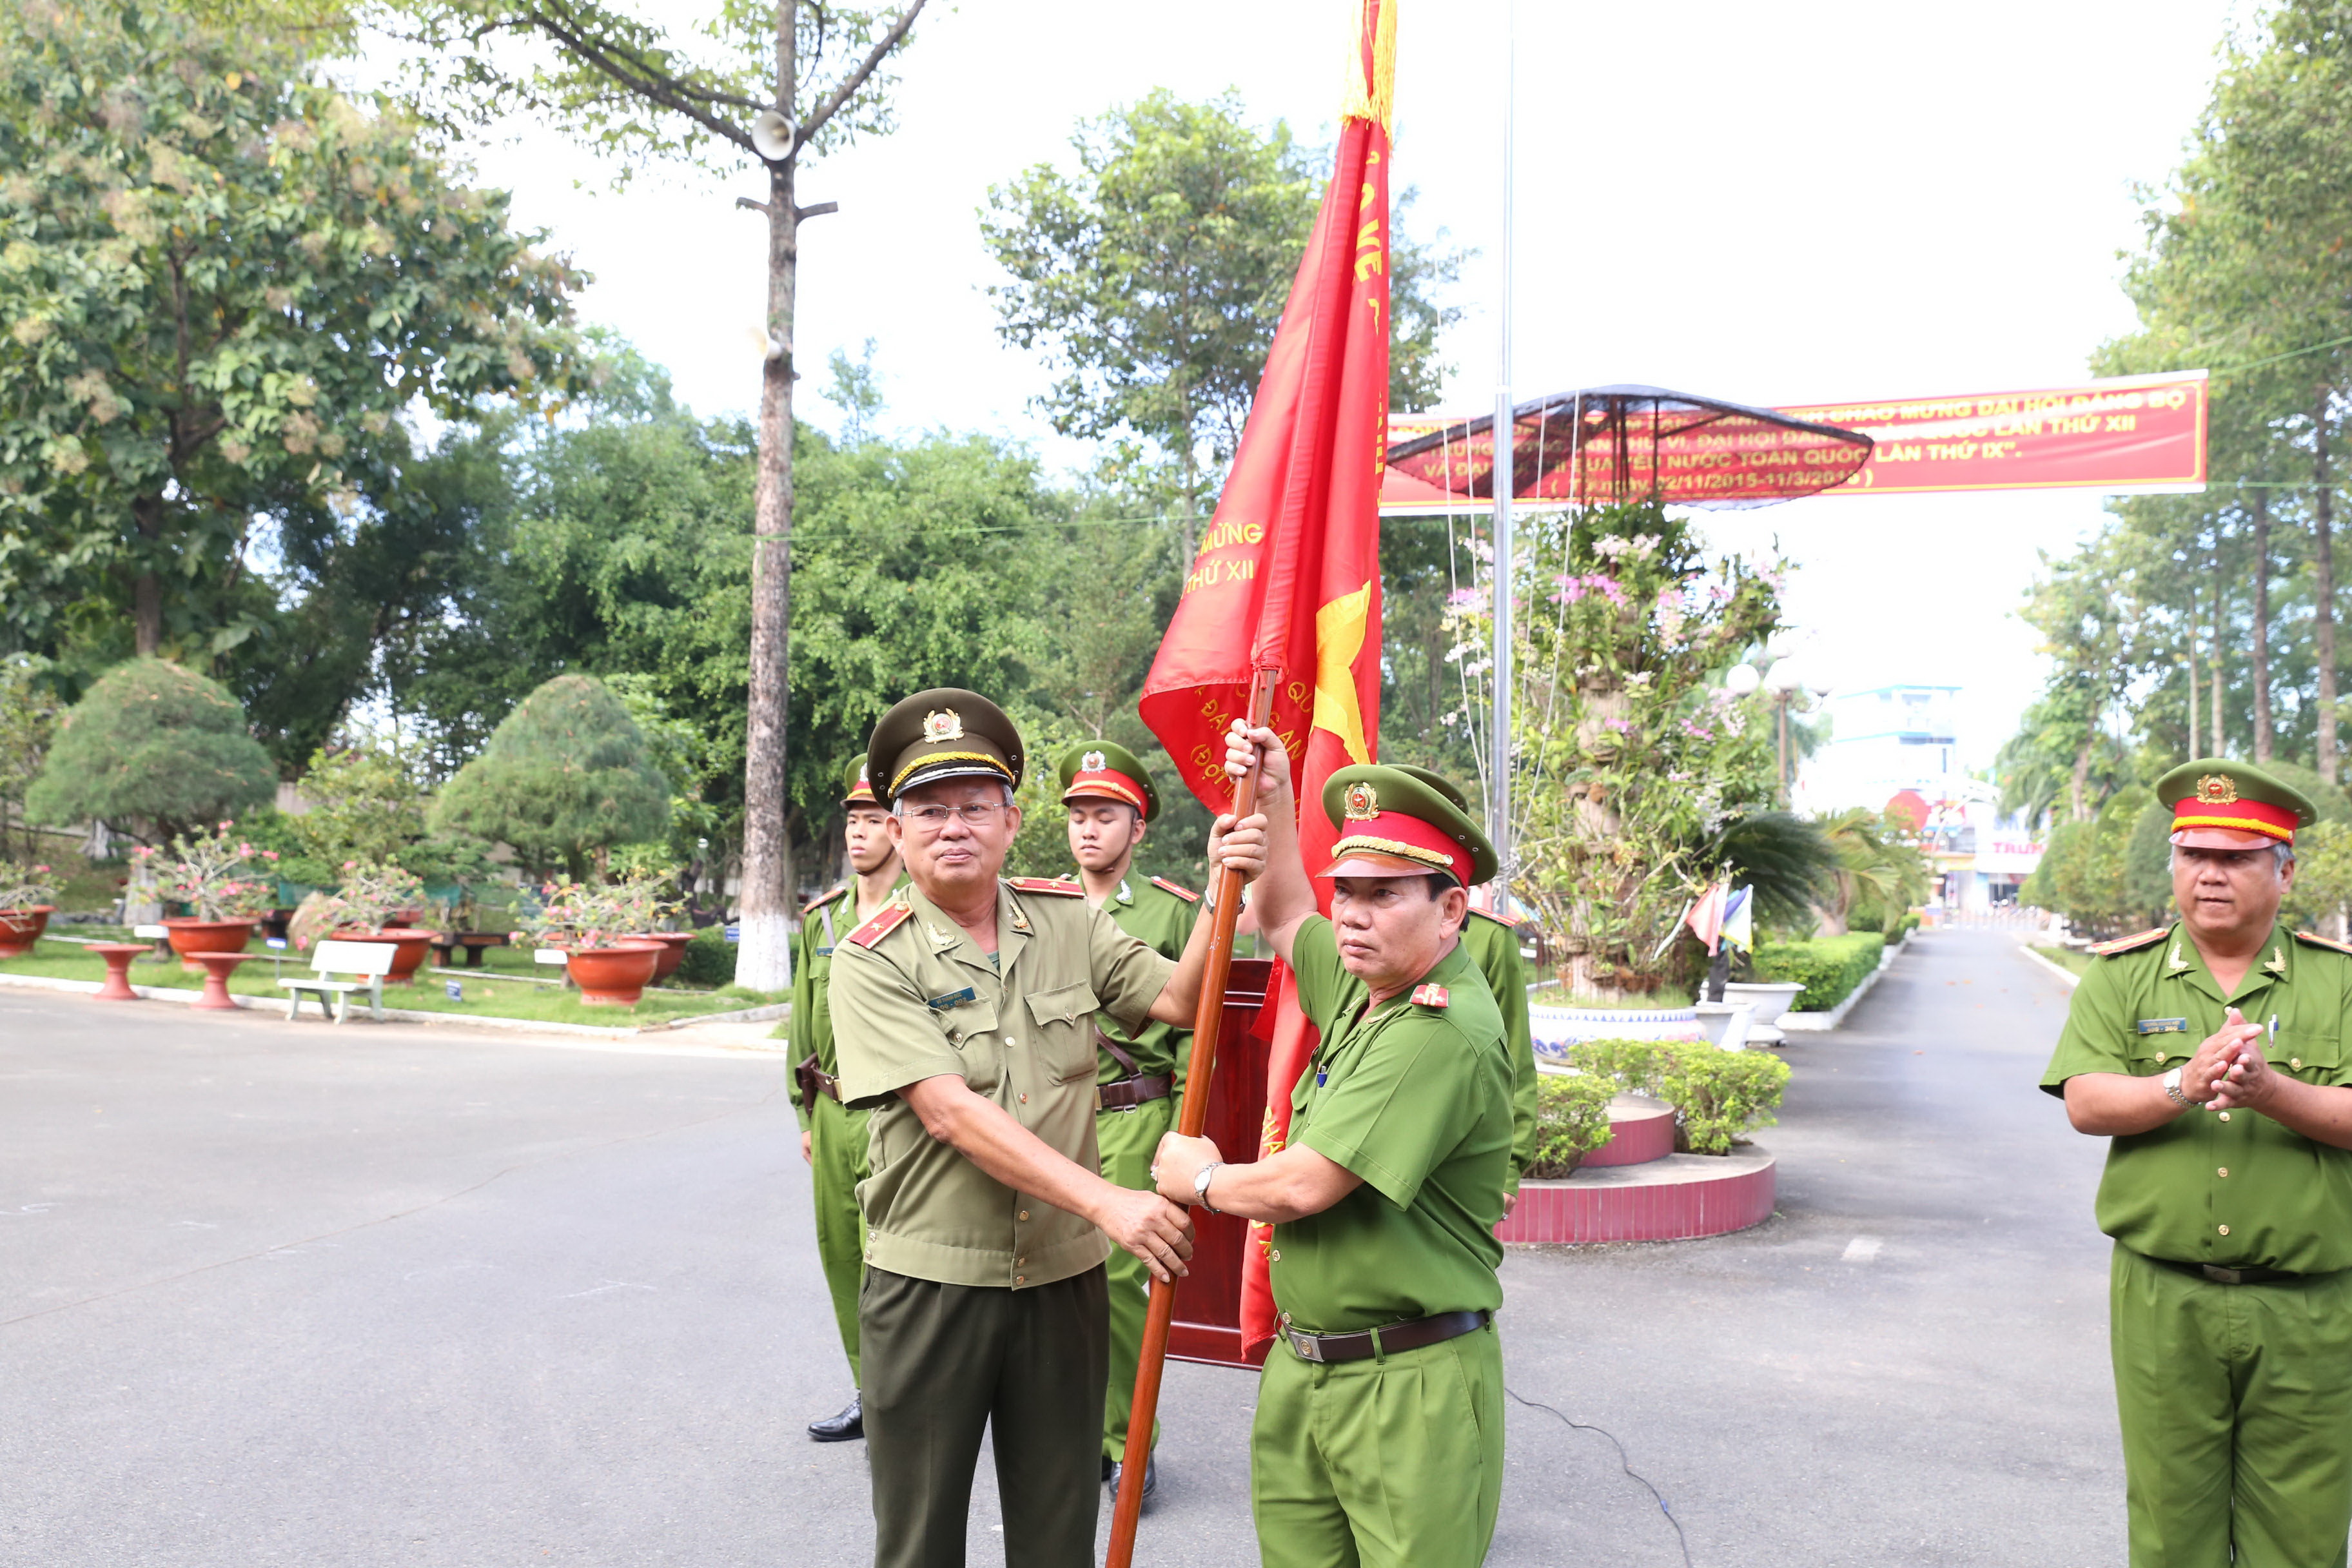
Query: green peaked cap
[944, 734]
[1105, 770]
[1407, 817]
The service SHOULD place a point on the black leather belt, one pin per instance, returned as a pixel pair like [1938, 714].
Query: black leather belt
[1365, 1343]
[2246, 1274]
[1126, 1093]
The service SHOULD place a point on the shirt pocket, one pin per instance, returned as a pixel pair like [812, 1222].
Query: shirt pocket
[1065, 1047]
[972, 1029]
[2313, 1053]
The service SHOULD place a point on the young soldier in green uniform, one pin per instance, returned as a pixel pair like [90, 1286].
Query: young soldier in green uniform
[1492, 942]
[963, 1015]
[1378, 1434]
[833, 1137]
[2212, 1051]
[1139, 1078]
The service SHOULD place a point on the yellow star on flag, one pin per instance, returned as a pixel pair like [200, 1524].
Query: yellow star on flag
[1339, 638]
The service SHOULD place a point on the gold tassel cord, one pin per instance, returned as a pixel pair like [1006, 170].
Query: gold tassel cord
[1374, 100]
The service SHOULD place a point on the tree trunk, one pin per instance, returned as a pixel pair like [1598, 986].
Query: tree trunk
[2193, 749]
[2262, 640]
[763, 961]
[2214, 677]
[2322, 559]
[2078, 788]
[147, 588]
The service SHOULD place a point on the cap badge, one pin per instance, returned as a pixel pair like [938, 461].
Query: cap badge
[1092, 763]
[2217, 789]
[861, 774]
[942, 725]
[1359, 803]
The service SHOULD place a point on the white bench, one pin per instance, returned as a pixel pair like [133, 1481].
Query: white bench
[366, 962]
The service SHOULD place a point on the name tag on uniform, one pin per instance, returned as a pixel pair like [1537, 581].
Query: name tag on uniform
[2163, 1026]
[952, 999]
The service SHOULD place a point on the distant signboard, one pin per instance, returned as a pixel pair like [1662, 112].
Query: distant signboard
[2004, 854]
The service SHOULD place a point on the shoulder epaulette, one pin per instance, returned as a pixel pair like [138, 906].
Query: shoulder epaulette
[1044, 885]
[1165, 886]
[824, 898]
[882, 924]
[1505, 922]
[2312, 939]
[2130, 944]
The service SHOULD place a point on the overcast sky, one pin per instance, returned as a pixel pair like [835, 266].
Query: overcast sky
[1769, 204]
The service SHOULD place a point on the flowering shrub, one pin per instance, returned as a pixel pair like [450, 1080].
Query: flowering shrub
[214, 874]
[23, 887]
[371, 892]
[585, 915]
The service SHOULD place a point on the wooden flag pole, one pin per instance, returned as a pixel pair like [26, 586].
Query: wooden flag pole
[1225, 893]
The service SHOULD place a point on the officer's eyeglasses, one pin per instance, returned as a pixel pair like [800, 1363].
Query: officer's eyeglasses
[971, 813]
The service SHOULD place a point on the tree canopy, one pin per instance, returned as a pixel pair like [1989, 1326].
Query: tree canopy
[154, 748]
[566, 774]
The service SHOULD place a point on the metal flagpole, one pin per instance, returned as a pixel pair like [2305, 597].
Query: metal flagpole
[1498, 769]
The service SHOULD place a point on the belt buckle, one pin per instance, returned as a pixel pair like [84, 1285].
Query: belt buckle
[2221, 1276]
[1307, 1347]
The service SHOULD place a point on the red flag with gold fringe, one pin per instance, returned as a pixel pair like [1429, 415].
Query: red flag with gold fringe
[1287, 577]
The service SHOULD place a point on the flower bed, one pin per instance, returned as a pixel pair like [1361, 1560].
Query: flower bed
[1718, 1095]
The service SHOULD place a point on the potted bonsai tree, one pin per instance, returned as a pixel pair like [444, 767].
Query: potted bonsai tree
[213, 875]
[25, 906]
[365, 907]
[600, 929]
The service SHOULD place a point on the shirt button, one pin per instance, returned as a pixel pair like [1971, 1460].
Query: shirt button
[1024, 1100]
[2225, 1170]
[1024, 1212]
[2223, 1230]
[2294, 1061]
[1274, 1257]
[2225, 1116]
[2161, 1059]
[1020, 1279]
[1010, 1041]
[1021, 1263]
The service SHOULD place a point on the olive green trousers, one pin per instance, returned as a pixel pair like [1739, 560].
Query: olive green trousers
[953, 1362]
[838, 1163]
[1395, 1462]
[2236, 1402]
[1128, 1140]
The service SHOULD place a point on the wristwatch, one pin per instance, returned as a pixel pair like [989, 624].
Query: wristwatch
[1200, 1186]
[2172, 1088]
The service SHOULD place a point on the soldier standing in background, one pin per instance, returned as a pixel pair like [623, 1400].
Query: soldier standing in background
[833, 1137]
[1139, 1077]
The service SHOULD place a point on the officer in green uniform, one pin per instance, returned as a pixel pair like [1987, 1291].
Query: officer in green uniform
[1139, 1078]
[1379, 1434]
[833, 1137]
[963, 1015]
[1492, 942]
[2212, 1052]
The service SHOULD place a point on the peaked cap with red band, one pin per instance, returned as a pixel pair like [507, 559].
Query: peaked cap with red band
[1391, 824]
[856, 789]
[2221, 804]
[1105, 770]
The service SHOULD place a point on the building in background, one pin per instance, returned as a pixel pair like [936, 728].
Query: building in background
[1893, 749]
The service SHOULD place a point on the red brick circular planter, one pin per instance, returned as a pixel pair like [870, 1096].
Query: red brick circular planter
[1677, 1198]
[189, 935]
[20, 929]
[673, 950]
[410, 948]
[613, 976]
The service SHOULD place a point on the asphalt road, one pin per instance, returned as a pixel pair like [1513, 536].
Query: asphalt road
[390, 1295]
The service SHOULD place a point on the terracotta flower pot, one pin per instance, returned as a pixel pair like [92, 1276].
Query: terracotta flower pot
[613, 976]
[20, 929]
[189, 935]
[410, 947]
[673, 944]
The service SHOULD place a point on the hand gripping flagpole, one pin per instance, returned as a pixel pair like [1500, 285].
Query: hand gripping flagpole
[1208, 1016]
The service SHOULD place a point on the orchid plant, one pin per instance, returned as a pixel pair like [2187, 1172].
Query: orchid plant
[24, 887]
[215, 874]
[588, 916]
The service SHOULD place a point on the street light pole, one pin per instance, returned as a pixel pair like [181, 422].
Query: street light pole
[1498, 766]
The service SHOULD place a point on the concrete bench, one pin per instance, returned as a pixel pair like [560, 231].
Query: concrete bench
[367, 962]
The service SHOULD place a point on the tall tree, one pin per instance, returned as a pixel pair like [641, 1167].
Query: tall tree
[1152, 278]
[224, 282]
[785, 77]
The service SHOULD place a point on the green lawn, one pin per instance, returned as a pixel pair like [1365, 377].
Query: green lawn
[2067, 957]
[485, 996]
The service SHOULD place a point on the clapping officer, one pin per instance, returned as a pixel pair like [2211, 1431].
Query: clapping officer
[1139, 1076]
[962, 1017]
[2212, 1052]
[1378, 1438]
[833, 1136]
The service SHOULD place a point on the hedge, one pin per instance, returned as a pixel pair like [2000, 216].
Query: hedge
[1829, 966]
[1717, 1094]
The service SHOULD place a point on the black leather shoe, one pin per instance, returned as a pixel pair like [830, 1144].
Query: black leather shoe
[845, 1427]
[1150, 1478]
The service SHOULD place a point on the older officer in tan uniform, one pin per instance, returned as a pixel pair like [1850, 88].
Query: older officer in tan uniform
[2211, 1054]
[960, 1016]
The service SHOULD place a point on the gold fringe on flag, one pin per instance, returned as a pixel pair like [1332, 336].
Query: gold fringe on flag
[1374, 100]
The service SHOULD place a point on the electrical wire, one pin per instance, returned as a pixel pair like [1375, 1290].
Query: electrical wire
[1623, 1463]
